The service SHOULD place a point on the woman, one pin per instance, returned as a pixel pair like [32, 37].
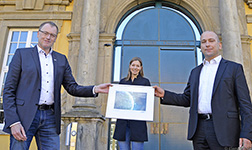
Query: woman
[132, 133]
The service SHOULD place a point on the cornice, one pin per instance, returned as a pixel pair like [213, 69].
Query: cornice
[107, 37]
[7, 3]
[47, 2]
[55, 2]
[34, 4]
[73, 36]
[36, 15]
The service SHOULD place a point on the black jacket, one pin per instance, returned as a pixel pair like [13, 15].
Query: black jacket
[138, 129]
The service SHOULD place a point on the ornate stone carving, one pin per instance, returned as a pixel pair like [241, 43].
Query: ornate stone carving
[249, 3]
[38, 4]
[249, 18]
[30, 4]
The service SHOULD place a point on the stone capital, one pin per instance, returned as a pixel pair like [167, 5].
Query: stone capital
[73, 36]
[246, 39]
[79, 115]
[106, 37]
[249, 18]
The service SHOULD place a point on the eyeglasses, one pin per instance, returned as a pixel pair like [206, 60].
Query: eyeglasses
[47, 33]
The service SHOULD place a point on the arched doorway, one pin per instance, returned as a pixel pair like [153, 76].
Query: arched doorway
[165, 36]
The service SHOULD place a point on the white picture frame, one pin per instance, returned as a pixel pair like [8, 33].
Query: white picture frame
[131, 102]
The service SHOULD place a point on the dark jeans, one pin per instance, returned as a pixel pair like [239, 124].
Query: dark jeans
[43, 128]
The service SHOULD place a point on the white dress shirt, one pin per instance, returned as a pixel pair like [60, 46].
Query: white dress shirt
[206, 82]
[47, 78]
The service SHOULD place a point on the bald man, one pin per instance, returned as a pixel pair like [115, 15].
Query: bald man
[218, 97]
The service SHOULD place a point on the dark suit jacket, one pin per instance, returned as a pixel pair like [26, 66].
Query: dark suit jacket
[138, 129]
[23, 84]
[230, 101]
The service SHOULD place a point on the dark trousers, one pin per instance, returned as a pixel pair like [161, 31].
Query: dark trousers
[205, 138]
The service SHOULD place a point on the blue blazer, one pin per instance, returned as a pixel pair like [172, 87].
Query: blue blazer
[23, 85]
[230, 101]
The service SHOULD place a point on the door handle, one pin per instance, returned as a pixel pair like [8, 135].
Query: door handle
[159, 128]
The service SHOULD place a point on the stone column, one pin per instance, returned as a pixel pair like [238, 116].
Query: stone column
[88, 53]
[90, 121]
[235, 40]
[230, 31]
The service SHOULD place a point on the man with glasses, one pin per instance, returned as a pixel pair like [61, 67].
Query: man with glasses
[31, 96]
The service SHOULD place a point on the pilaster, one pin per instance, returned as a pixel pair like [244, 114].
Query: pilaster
[247, 64]
[104, 67]
[74, 46]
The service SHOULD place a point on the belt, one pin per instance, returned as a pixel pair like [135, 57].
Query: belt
[205, 116]
[45, 107]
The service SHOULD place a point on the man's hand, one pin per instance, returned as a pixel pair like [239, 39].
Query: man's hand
[18, 132]
[102, 88]
[159, 92]
[246, 143]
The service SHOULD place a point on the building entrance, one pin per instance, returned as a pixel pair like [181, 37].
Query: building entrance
[166, 38]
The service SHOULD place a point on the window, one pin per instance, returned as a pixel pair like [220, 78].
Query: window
[17, 38]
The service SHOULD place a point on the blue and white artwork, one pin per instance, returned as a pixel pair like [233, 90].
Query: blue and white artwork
[130, 100]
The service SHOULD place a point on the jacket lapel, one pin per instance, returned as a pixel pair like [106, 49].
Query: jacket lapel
[36, 60]
[55, 65]
[196, 85]
[219, 73]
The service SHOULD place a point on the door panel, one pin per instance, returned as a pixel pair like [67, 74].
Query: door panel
[153, 135]
[175, 65]
[149, 56]
[176, 138]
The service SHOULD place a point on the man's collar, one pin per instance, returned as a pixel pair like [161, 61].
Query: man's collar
[41, 50]
[216, 60]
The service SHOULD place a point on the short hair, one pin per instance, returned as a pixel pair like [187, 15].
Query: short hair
[50, 23]
[218, 39]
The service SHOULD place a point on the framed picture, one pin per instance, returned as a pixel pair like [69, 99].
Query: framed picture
[130, 102]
